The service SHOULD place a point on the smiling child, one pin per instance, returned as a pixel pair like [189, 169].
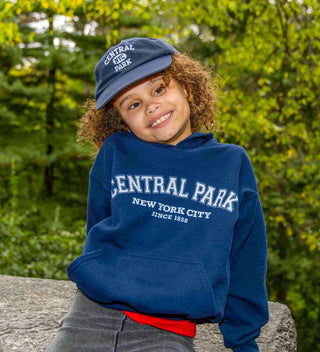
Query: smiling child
[175, 230]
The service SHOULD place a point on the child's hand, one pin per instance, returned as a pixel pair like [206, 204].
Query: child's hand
[61, 321]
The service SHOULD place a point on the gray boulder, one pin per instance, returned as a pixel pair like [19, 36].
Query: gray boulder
[30, 309]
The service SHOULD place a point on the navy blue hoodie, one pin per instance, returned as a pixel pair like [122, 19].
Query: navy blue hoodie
[177, 232]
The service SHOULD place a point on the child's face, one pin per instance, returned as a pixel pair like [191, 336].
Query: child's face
[154, 112]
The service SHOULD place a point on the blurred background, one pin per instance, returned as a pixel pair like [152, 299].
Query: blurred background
[265, 56]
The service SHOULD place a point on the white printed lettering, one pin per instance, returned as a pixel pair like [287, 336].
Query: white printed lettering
[146, 180]
[219, 199]
[208, 196]
[121, 184]
[200, 188]
[228, 204]
[172, 186]
[181, 190]
[158, 184]
[134, 184]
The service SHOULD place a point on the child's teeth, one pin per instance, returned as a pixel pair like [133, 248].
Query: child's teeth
[163, 118]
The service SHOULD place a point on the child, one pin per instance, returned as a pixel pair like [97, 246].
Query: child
[176, 234]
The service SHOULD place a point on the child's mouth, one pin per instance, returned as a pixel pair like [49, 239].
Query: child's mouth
[161, 119]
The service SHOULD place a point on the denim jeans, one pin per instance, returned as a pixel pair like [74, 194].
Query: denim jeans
[89, 327]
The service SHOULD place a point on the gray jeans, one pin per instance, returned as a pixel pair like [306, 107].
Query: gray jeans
[90, 327]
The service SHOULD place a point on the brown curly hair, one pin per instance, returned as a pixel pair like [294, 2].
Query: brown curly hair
[96, 125]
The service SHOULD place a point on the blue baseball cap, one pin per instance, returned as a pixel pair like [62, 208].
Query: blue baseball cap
[128, 62]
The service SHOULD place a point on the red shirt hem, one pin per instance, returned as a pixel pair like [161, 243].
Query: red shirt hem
[182, 327]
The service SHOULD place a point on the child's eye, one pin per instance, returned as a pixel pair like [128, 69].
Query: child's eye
[159, 90]
[133, 106]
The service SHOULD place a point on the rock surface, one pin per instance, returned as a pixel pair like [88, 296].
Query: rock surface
[30, 309]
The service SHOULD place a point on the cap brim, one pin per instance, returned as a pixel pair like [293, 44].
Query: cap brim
[136, 74]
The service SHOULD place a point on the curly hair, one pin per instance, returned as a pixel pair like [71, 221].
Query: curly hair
[96, 125]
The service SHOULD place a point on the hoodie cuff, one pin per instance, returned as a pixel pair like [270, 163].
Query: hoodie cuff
[251, 346]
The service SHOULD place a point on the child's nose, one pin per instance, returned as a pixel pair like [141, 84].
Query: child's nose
[152, 107]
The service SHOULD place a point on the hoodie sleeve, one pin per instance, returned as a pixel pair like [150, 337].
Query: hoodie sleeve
[99, 195]
[98, 205]
[247, 304]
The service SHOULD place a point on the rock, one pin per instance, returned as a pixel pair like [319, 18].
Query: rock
[30, 309]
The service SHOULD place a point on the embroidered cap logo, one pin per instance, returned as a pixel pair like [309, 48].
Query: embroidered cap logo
[119, 58]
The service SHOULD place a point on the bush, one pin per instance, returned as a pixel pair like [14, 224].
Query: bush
[26, 251]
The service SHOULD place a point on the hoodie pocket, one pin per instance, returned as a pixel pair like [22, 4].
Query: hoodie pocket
[153, 285]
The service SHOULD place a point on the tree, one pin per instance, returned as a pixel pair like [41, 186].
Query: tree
[48, 75]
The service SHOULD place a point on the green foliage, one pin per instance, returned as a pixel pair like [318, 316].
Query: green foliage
[33, 253]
